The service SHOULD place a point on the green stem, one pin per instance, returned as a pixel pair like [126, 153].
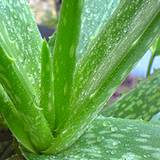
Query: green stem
[150, 64]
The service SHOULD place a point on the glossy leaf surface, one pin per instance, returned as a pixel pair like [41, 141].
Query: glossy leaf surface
[113, 139]
[113, 53]
[13, 120]
[156, 47]
[109, 49]
[46, 102]
[95, 14]
[67, 37]
[140, 103]
[20, 46]
[19, 37]
[19, 93]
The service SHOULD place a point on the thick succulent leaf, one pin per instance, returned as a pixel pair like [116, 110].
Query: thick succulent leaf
[150, 63]
[94, 16]
[13, 121]
[156, 47]
[19, 93]
[51, 42]
[20, 38]
[20, 44]
[66, 43]
[114, 52]
[47, 85]
[113, 139]
[140, 103]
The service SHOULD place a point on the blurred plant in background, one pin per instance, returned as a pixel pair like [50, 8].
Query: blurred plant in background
[45, 11]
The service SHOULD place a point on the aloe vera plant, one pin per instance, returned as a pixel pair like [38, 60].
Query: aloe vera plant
[155, 49]
[138, 103]
[51, 92]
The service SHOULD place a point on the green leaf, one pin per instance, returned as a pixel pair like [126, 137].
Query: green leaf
[13, 120]
[95, 14]
[20, 45]
[156, 47]
[21, 96]
[113, 139]
[20, 39]
[140, 103]
[51, 42]
[113, 53]
[66, 43]
[47, 85]
[150, 64]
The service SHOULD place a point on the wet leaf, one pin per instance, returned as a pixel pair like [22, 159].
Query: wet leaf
[20, 38]
[13, 121]
[95, 14]
[156, 47]
[113, 53]
[51, 42]
[47, 85]
[82, 86]
[140, 103]
[13, 83]
[67, 37]
[114, 139]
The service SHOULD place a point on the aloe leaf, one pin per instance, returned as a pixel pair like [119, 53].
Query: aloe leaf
[14, 84]
[140, 103]
[12, 119]
[47, 85]
[20, 38]
[94, 16]
[150, 63]
[66, 43]
[51, 42]
[115, 46]
[155, 49]
[114, 139]
[121, 43]
[20, 74]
